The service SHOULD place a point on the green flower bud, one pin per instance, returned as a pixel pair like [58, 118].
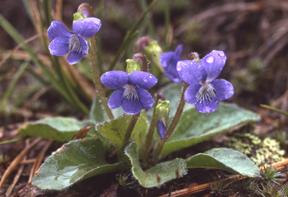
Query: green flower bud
[132, 65]
[153, 52]
[162, 109]
[78, 16]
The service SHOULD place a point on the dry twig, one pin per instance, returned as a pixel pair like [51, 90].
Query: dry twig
[16, 162]
[39, 160]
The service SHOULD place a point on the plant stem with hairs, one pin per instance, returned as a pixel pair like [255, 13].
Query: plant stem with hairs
[96, 78]
[129, 130]
[172, 126]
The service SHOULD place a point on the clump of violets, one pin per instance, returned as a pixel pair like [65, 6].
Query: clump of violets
[130, 90]
[205, 91]
[169, 60]
[72, 44]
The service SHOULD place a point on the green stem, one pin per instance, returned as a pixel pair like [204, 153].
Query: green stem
[67, 86]
[33, 55]
[275, 109]
[129, 35]
[96, 78]
[8, 92]
[129, 130]
[172, 126]
[149, 136]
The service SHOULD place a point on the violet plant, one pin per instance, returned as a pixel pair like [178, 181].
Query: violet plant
[153, 122]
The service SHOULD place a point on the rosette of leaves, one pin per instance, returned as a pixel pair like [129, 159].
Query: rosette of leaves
[80, 159]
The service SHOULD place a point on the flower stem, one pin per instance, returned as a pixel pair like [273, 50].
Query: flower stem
[149, 136]
[173, 124]
[129, 130]
[96, 78]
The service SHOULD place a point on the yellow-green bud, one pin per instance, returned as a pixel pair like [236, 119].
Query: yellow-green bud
[132, 65]
[78, 16]
[162, 109]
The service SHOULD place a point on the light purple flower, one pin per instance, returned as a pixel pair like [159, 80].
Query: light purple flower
[169, 60]
[161, 128]
[130, 90]
[204, 90]
[72, 43]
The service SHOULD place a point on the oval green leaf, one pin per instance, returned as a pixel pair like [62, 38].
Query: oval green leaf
[73, 162]
[158, 174]
[54, 128]
[195, 127]
[224, 159]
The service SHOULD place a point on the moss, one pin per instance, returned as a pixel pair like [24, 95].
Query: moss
[262, 151]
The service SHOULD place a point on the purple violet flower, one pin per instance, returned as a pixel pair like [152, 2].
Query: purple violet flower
[130, 90]
[204, 90]
[161, 128]
[169, 60]
[73, 43]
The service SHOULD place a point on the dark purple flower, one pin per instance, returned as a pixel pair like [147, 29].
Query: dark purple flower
[169, 60]
[72, 43]
[130, 90]
[161, 128]
[204, 90]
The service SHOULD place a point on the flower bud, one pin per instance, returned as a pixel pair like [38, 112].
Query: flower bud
[85, 9]
[141, 43]
[162, 109]
[153, 52]
[77, 16]
[161, 129]
[141, 59]
[132, 65]
[153, 49]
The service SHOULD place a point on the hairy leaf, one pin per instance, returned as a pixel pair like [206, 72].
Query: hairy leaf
[224, 159]
[158, 174]
[55, 128]
[195, 127]
[73, 162]
[114, 131]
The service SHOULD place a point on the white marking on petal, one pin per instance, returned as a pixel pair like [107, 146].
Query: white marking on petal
[206, 93]
[130, 92]
[210, 60]
[74, 43]
[221, 53]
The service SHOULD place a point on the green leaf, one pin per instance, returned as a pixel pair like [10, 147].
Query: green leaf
[73, 162]
[224, 159]
[114, 131]
[55, 128]
[158, 174]
[172, 93]
[97, 113]
[195, 127]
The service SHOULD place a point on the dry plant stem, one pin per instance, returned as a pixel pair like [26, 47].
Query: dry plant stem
[193, 189]
[129, 130]
[275, 109]
[27, 161]
[10, 53]
[173, 124]
[16, 161]
[15, 181]
[96, 78]
[149, 136]
[58, 9]
[39, 160]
